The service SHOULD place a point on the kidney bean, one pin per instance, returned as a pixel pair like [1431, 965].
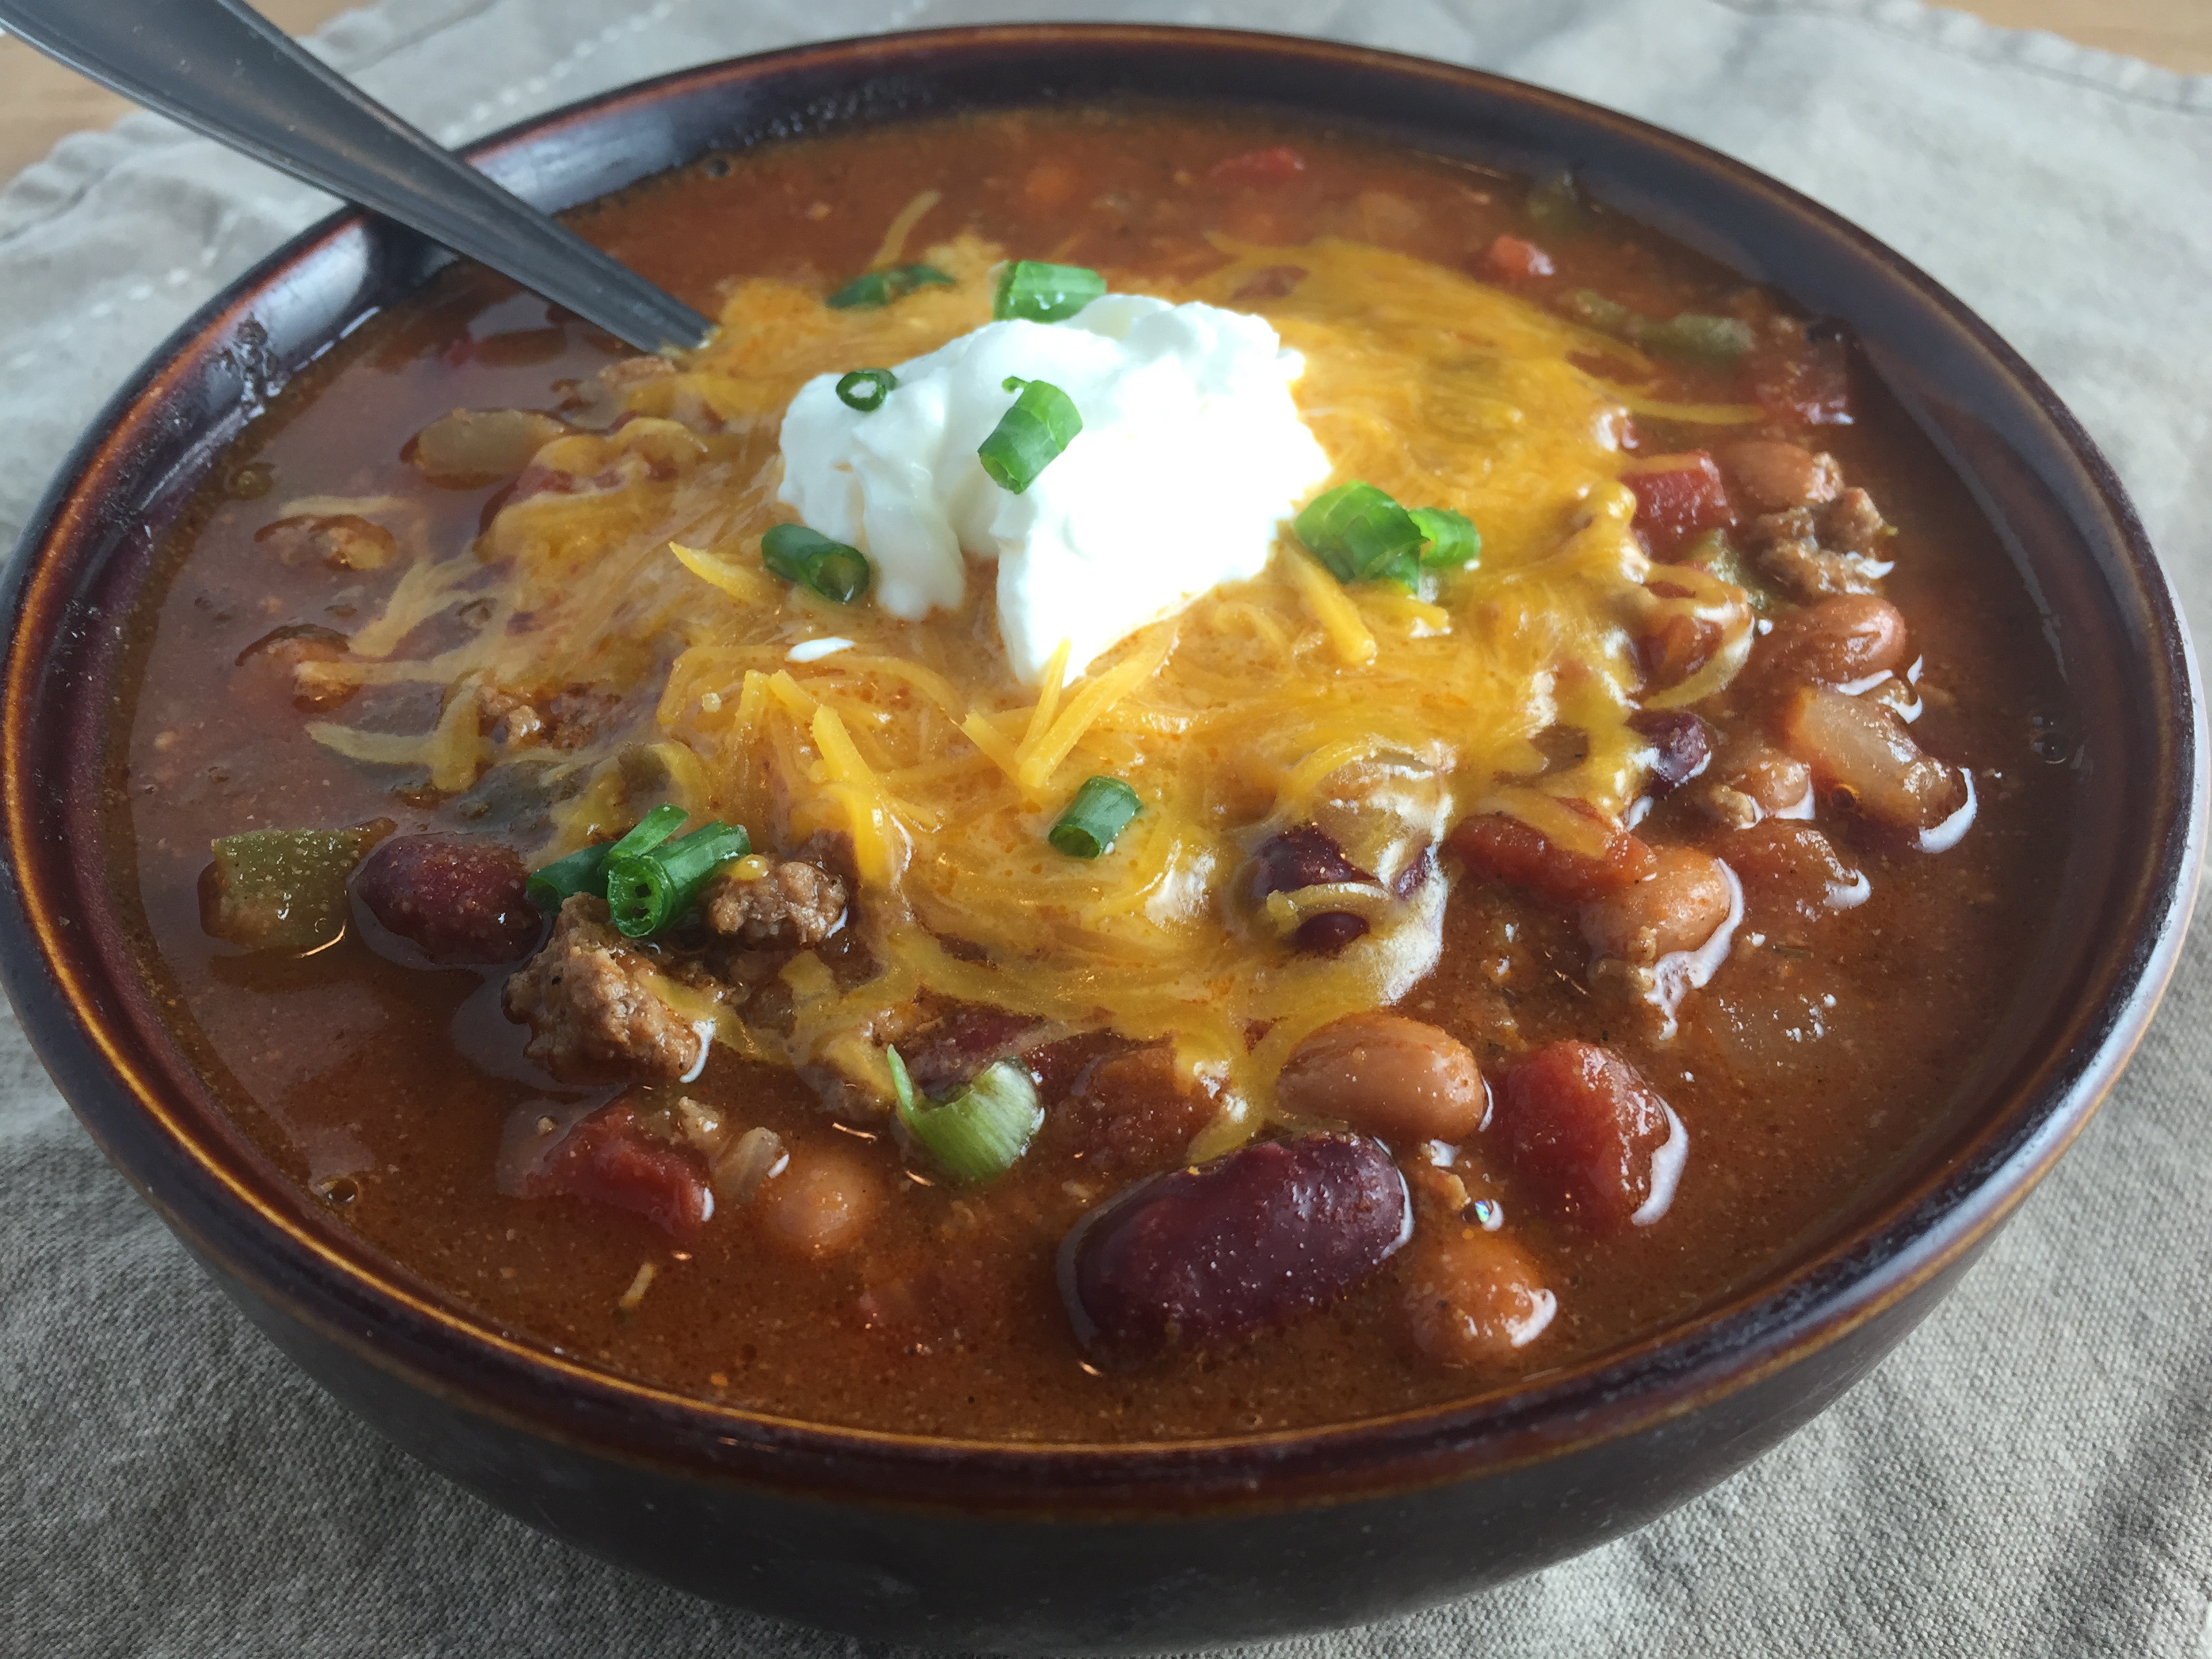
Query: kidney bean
[822, 1204]
[1472, 1296]
[1304, 855]
[608, 1159]
[1677, 909]
[1325, 934]
[455, 899]
[1506, 849]
[1838, 641]
[1772, 477]
[1386, 1075]
[1581, 1129]
[1681, 747]
[1196, 1258]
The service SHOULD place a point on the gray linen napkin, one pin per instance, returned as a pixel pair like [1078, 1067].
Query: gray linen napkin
[2031, 1472]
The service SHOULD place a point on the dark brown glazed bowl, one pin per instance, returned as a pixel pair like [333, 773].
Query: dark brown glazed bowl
[1101, 1547]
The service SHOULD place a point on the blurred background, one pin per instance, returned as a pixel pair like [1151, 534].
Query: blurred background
[40, 101]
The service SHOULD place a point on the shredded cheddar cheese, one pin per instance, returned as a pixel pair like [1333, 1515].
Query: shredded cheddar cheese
[1288, 699]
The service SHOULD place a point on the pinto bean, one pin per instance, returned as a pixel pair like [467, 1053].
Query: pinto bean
[474, 446]
[455, 899]
[1836, 641]
[1325, 934]
[1862, 751]
[1385, 1075]
[1197, 1258]
[1583, 1131]
[1472, 1296]
[1774, 784]
[822, 1204]
[1676, 908]
[1772, 477]
[1506, 849]
[1796, 864]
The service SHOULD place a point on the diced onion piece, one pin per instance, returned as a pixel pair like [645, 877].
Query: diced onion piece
[1102, 808]
[740, 1168]
[1032, 291]
[1030, 436]
[980, 1132]
[1862, 748]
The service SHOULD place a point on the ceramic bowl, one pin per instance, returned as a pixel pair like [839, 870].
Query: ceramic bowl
[1100, 1547]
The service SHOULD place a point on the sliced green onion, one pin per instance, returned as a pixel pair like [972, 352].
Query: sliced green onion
[1039, 293]
[584, 871]
[1454, 543]
[1556, 206]
[980, 1132]
[1362, 534]
[1101, 811]
[831, 569]
[865, 389]
[880, 287]
[1698, 337]
[1030, 436]
[647, 890]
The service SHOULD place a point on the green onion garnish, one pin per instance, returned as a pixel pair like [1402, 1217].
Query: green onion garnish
[1362, 534]
[1454, 543]
[1700, 338]
[1040, 293]
[647, 890]
[880, 287]
[1029, 436]
[831, 569]
[980, 1132]
[1101, 811]
[1556, 206]
[584, 871]
[865, 389]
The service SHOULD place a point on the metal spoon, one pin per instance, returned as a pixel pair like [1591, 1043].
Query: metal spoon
[221, 68]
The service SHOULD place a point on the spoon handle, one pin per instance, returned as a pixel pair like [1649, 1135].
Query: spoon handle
[219, 68]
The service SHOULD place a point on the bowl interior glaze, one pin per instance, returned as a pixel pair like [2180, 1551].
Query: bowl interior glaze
[73, 944]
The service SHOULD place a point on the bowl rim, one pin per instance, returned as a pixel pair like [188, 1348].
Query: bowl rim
[233, 1216]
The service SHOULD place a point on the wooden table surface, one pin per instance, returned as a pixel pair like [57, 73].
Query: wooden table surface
[40, 101]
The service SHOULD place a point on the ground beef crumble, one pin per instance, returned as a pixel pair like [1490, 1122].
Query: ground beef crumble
[588, 1009]
[795, 903]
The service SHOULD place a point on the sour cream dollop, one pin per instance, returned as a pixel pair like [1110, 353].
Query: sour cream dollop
[1191, 455]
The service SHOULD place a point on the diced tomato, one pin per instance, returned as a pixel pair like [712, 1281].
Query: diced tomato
[609, 1159]
[1506, 849]
[1805, 381]
[1678, 496]
[1272, 165]
[1579, 1128]
[1515, 260]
